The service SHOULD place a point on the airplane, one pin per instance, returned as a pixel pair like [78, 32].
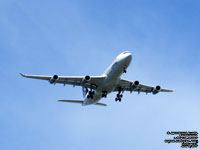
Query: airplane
[94, 88]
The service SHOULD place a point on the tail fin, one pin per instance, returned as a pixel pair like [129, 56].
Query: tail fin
[80, 102]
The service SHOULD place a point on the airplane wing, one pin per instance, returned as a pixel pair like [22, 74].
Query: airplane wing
[126, 85]
[92, 81]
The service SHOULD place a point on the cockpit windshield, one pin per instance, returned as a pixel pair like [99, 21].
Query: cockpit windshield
[126, 52]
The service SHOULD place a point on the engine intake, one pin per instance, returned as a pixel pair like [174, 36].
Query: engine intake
[87, 78]
[135, 84]
[54, 79]
[156, 89]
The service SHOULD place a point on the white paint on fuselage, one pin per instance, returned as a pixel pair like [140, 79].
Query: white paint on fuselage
[112, 76]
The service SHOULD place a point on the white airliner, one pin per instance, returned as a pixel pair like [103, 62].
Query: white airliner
[95, 88]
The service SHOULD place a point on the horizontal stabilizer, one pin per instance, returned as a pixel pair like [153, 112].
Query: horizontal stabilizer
[71, 101]
[100, 104]
[80, 102]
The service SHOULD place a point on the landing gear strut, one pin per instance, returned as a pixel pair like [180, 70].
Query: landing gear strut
[119, 96]
[125, 69]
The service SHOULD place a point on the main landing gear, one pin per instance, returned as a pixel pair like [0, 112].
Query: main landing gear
[90, 94]
[119, 96]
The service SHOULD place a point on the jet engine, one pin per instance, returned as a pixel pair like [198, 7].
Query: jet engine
[135, 84]
[87, 78]
[156, 89]
[53, 79]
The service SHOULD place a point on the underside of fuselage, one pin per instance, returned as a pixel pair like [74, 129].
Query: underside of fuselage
[112, 76]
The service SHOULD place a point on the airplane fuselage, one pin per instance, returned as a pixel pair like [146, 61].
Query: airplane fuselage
[112, 76]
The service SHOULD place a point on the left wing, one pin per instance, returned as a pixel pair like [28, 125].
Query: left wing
[126, 85]
[85, 81]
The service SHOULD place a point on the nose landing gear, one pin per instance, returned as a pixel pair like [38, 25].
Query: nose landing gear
[125, 69]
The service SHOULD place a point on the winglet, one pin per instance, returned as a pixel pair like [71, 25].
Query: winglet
[23, 75]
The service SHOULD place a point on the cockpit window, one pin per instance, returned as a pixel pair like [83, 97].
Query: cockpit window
[126, 52]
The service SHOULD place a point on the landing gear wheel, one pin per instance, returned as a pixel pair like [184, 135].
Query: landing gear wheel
[104, 94]
[125, 69]
[90, 94]
[119, 96]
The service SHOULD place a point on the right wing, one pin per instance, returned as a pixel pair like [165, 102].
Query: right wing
[93, 82]
[126, 85]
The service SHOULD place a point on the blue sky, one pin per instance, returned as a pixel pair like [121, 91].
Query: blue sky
[83, 37]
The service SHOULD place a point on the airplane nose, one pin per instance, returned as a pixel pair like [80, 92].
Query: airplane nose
[129, 56]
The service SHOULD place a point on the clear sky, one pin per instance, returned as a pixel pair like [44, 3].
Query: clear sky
[47, 37]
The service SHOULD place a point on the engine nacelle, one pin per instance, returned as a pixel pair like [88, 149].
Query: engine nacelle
[156, 89]
[54, 79]
[87, 78]
[135, 84]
